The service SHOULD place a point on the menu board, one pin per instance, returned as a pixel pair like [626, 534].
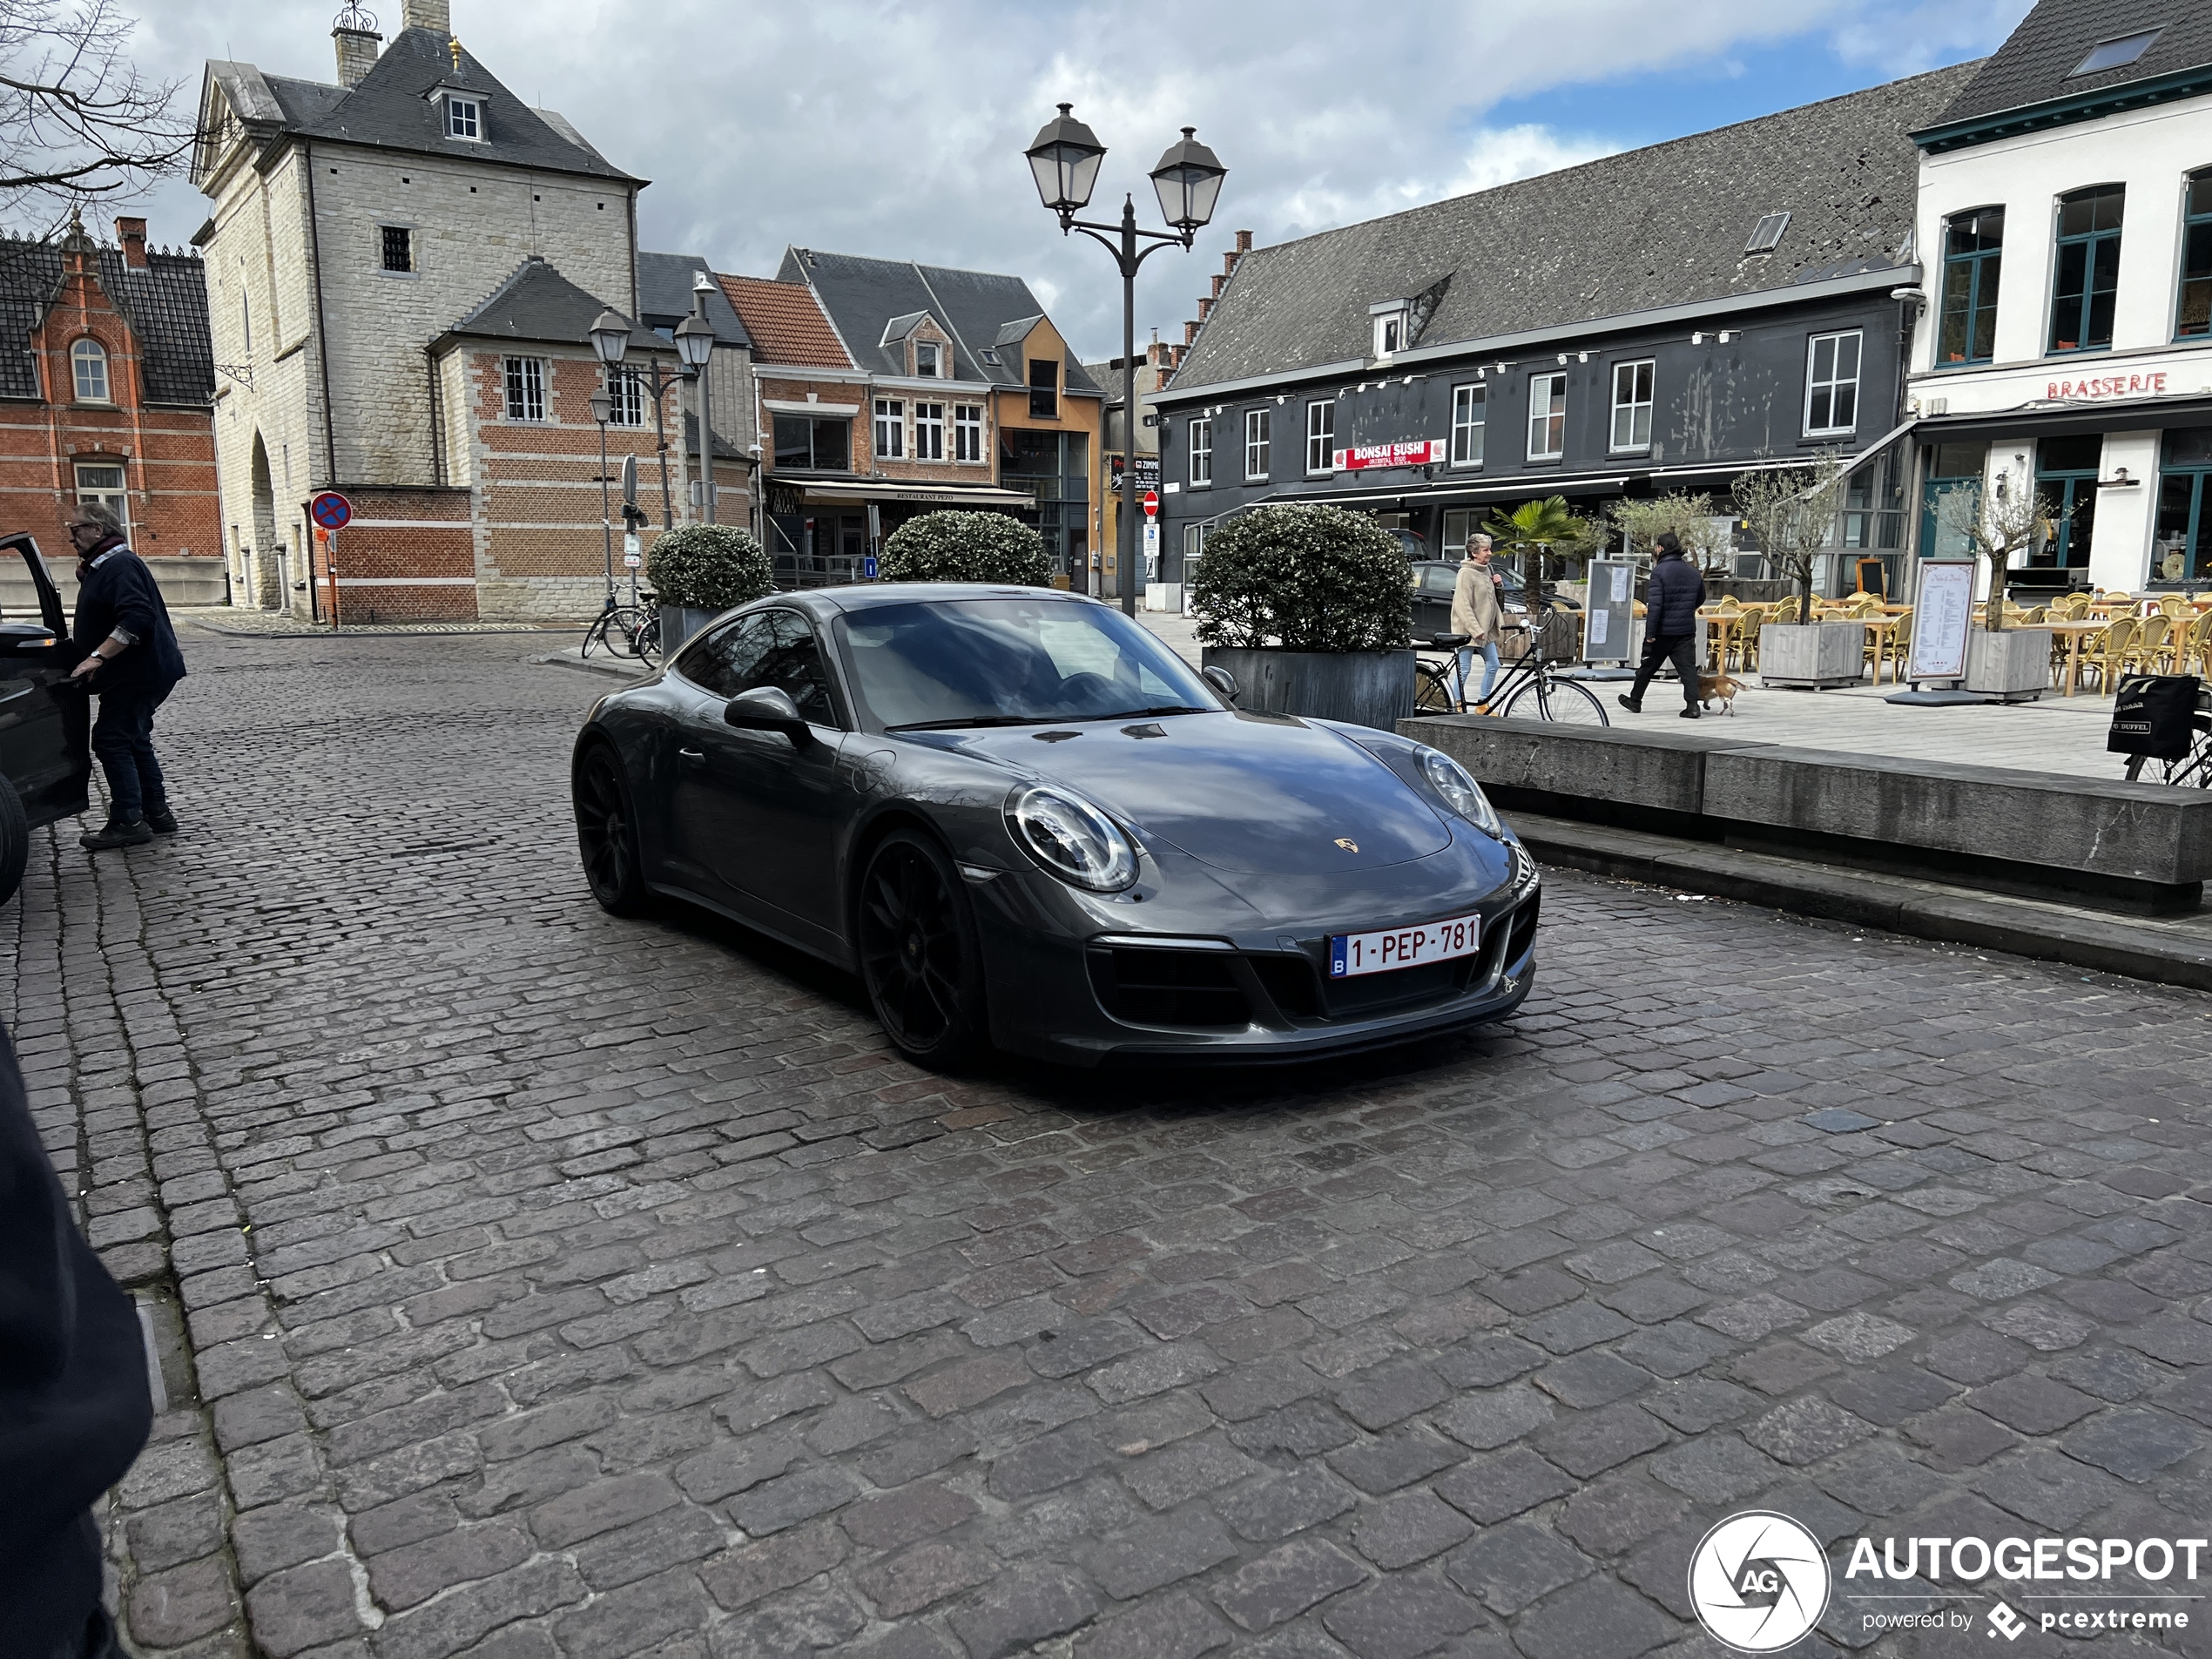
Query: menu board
[1612, 607]
[1942, 613]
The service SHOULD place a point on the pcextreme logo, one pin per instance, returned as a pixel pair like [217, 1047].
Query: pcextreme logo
[1759, 1581]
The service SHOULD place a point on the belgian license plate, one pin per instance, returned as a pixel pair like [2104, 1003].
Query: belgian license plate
[1353, 954]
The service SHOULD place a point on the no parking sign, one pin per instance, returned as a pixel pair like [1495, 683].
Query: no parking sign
[331, 510]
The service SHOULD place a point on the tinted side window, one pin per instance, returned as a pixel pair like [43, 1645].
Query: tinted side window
[722, 662]
[767, 647]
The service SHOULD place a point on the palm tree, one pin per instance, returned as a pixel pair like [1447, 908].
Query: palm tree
[1543, 525]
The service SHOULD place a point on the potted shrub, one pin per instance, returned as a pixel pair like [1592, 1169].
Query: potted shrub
[954, 546]
[698, 571]
[2012, 664]
[1791, 512]
[1309, 607]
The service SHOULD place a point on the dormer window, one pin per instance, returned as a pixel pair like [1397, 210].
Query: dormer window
[464, 117]
[1393, 329]
[926, 361]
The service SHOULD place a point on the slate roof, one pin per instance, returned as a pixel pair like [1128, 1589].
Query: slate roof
[665, 296]
[1659, 226]
[2035, 65]
[786, 326]
[979, 309]
[537, 303]
[165, 304]
[391, 108]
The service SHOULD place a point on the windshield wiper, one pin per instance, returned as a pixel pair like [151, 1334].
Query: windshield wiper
[978, 719]
[1140, 714]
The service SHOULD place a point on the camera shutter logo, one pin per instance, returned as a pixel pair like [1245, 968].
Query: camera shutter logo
[1759, 1581]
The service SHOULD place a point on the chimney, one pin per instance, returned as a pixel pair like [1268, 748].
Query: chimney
[428, 14]
[1190, 334]
[1204, 305]
[356, 50]
[131, 235]
[1218, 281]
[1243, 241]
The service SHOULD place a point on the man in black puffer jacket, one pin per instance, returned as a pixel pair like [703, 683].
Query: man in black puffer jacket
[132, 659]
[75, 1406]
[1670, 625]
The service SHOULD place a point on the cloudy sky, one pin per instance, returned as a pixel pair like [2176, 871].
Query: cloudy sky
[896, 130]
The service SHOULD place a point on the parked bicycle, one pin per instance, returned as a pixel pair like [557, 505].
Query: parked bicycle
[1530, 688]
[2163, 722]
[630, 631]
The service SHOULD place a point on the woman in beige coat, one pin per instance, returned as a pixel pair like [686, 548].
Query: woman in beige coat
[1476, 613]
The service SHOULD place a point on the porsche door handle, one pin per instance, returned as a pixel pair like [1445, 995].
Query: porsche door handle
[691, 757]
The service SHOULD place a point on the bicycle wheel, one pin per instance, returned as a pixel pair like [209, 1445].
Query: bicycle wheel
[597, 634]
[624, 626]
[1545, 697]
[1432, 690]
[648, 641]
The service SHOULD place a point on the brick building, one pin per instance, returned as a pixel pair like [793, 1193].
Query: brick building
[105, 378]
[365, 236]
[891, 388]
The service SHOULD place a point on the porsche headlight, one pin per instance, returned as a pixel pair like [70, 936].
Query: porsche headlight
[1461, 793]
[1073, 838]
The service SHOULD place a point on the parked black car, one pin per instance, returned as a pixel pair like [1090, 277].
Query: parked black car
[1433, 583]
[45, 724]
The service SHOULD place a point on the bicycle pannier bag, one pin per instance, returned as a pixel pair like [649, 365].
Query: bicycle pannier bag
[2154, 715]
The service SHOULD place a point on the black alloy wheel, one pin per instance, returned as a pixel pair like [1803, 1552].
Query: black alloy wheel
[919, 957]
[606, 834]
[15, 840]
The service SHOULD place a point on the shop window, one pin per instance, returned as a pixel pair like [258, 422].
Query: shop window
[2065, 479]
[813, 443]
[1460, 524]
[2181, 543]
[1632, 385]
[2193, 317]
[890, 429]
[1952, 469]
[2088, 289]
[88, 361]
[967, 432]
[1470, 408]
[1973, 253]
[1201, 451]
[1547, 417]
[1321, 435]
[525, 379]
[1832, 384]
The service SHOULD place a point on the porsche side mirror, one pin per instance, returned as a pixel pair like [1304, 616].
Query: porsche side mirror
[25, 639]
[769, 708]
[1223, 681]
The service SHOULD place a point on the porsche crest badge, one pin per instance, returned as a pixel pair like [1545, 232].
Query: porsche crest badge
[1347, 844]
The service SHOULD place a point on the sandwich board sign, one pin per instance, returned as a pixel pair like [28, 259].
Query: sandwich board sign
[1942, 614]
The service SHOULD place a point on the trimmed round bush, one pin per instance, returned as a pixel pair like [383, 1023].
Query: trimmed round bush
[708, 567]
[1303, 578]
[954, 546]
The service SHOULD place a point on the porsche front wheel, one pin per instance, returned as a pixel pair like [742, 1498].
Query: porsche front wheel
[606, 834]
[919, 956]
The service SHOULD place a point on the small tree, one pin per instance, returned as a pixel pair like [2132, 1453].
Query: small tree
[1700, 526]
[1304, 578]
[708, 567]
[954, 546]
[77, 120]
[1997, 524]
[1541, 527]
[1791, 511]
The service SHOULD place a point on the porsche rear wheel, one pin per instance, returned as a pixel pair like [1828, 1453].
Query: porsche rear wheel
[15, 840]
[606, 834]
[918, 956]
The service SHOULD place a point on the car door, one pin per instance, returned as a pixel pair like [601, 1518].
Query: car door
[1432, 600]
[45, 722]
[755, 812]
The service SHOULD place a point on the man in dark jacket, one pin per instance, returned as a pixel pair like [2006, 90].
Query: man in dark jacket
[1670, 624]
[74, 1403]
[134, 663]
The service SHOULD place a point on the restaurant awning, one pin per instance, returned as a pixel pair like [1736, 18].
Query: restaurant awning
[2067, 419]
[822, 492]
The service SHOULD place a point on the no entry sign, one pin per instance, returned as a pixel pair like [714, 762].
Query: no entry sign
[331, 510]
[1152, 503]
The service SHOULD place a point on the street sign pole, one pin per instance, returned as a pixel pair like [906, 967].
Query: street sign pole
[332, 512]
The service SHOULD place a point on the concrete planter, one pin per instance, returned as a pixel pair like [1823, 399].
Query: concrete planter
[2013, 663]
[679, 622]
[1362, 687]
[1816, 655]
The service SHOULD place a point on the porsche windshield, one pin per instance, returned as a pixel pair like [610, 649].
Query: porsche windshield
[1012, 662]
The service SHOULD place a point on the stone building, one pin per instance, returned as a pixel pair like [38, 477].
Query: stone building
[104, 382]
[365, 236]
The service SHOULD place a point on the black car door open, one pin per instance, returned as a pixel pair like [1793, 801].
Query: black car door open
[755, 812]
[44, 722]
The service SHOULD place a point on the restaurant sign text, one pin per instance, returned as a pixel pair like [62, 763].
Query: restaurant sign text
[2110, 385]
[1418, 453]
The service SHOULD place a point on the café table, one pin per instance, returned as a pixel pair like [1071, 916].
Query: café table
[2076, 634]
[1882, 627]
[1721, 629]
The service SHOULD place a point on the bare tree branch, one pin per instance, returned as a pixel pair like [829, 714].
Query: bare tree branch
[1791, 511]
[79, 121]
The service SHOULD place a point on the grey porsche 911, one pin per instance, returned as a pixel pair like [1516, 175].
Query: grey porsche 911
[1024, 821]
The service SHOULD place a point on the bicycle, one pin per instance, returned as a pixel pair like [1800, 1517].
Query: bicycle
[627, 630]
[1527, 688]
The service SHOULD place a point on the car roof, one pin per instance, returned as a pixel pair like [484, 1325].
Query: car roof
[868, 595]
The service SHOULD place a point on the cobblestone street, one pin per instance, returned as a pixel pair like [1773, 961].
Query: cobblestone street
[531, 1283]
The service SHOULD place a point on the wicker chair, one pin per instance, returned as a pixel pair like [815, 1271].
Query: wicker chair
[2107, 650]
[2148, 652]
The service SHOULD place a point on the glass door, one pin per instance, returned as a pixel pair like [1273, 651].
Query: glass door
[2065, 478]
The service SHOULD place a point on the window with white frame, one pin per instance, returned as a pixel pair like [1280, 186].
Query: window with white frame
[1632, 405]
[1831, 383]
[1202, 451]
[1459, 523]
[1258, 425]
[1390, 333]
[102, 480]
[890, 429]
[1470, 408]
[967, 432]
[1547, 417]
[929, 432]
[1321, 435]
[625, 398]
[925, 359]
[88, 361]
[525, 389]
[1194, 547]
[464, 117]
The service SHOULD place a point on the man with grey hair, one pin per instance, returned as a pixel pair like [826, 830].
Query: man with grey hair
[131, 663]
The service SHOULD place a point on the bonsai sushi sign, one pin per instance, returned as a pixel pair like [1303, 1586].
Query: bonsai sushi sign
[1362, 457]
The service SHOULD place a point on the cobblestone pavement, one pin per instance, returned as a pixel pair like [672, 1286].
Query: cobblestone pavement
[560, 1285]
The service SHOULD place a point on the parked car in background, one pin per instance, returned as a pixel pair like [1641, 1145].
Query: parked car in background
[45, 723]
[1433, 583]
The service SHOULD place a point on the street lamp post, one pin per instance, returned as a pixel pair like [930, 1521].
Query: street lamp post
[1064, 160]
[695, 345]
[611, 339]
[602, 405]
